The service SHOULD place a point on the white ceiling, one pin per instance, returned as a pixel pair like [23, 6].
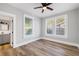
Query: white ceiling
[58, 8]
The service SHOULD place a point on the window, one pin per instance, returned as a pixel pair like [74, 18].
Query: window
[57, 26]
[60, 25]
[50, 26]
[27, 25]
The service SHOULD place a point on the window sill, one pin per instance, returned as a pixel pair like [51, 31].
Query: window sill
[57, 36]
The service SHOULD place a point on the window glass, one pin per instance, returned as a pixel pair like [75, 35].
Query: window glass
[60, 25]
[28, 26]
[50, 26]
[57, 26]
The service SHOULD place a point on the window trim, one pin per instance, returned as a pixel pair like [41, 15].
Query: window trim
[24, 25]
[66, 27]
[46, 27]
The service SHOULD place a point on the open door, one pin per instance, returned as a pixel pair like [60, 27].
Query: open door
[11, 34]
[7, 29]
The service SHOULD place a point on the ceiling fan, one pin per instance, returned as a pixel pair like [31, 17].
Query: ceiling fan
[44, 6]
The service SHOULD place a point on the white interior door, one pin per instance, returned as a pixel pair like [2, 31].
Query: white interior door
[11, 35]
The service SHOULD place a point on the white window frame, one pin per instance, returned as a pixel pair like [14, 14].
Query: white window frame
[66, 27]
[46, 27]
[24, 25]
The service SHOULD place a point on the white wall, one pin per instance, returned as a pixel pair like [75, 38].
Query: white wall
[73, 22]
[19, 24]
[78, 25]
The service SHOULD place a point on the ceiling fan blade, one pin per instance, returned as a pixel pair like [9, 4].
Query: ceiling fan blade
[43, 4]
[38, 7]
[42, 10]
[49, 4]
[49, 8]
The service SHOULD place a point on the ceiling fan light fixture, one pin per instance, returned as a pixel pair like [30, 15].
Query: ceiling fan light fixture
[44, 8]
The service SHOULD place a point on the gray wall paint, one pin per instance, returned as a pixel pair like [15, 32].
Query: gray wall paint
[73, 27]
[19, 23]
[78, 26]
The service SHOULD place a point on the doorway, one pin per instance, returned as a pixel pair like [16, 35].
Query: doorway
[7, 34]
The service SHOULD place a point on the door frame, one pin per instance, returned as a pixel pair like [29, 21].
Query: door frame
[12, 39]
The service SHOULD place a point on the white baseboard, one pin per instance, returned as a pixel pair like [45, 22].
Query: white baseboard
[63, 42]
[25, 42]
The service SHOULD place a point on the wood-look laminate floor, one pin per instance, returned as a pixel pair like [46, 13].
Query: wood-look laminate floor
[40, 48]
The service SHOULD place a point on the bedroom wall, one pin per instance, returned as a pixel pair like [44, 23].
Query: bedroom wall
[78, 24]
[73, 28]
[19, 24]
